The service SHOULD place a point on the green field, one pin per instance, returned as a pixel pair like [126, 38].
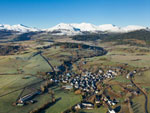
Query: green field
[148, 101]
[26, 64]
[67, 99]
[17, 72]
[121, 79]
[138, 104]
[144, 78]
[36, 64]
[13, 82]
[98, 110]
[6, 103]
[14, 68]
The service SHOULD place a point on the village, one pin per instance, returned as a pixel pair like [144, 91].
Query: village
[89, 85]
[98, 87]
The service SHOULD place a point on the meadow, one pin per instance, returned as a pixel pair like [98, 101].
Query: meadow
[21, 71]
[67, 100]
[14, 68]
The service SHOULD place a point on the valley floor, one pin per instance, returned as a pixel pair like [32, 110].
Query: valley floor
[23, 72]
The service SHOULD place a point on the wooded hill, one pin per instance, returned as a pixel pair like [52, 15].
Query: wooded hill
[140, 38]
[9, 49]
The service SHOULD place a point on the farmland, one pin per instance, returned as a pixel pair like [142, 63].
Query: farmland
[21, 72]
[24, 71]
[67, 100]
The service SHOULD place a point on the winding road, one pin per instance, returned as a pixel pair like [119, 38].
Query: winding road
[145, 95]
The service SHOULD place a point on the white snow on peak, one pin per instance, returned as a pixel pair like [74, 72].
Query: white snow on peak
[109, 28]
[130, 28]
[85, 27]
[18, 27]
[65, 29]
[113, 28]
[62, 26]
[75, 28]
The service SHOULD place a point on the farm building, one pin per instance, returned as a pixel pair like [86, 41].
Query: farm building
[27, 97]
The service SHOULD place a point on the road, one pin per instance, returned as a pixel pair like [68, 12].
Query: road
[48, 62]
[145, 95]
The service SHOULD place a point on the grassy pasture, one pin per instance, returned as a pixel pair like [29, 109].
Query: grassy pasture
[98, 110]
[144, 78]
[27, 64]
[116, 88]
[121, 79]
[6, 103]
[148, 101]
[30, 66]
[134, 56]
[8, 64]
[138, 104]
[12, 82]
[35, 64]
[67, 99]
[124, 108]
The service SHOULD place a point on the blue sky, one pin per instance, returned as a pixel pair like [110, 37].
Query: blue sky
[47, 13]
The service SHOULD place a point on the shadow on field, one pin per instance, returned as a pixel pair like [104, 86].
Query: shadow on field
[43, 111]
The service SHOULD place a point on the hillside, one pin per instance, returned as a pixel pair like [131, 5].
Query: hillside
[140, 38]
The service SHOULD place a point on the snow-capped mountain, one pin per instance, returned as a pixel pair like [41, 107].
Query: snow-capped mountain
[19, 28]
[109, 28]
[113, 28]
[73, 29]
[130, 28]
[85, 27]
[64, 29]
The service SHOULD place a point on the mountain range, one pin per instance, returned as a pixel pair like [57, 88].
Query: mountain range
[18, 28]
[74, 29]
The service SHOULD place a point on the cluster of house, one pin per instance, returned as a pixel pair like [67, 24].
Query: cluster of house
[100, 99]
[109, 101]
[110, 74]
[87, 81]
